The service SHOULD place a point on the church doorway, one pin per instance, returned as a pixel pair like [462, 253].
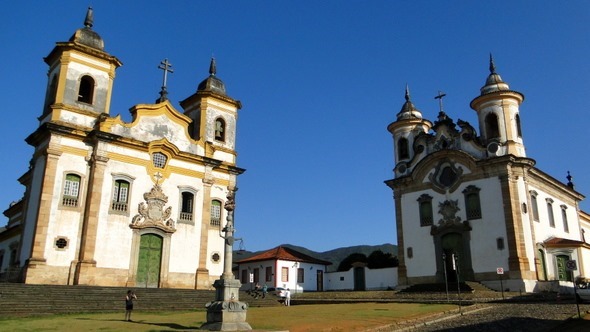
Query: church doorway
[452, 248]
[149, 261]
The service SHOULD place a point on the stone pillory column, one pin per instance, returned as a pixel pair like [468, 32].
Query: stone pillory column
[227, 313]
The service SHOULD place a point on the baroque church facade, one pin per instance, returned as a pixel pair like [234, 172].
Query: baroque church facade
[112, 203]
[475, 207]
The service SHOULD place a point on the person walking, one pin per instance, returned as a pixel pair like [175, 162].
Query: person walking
[129, 304]
[287, 297]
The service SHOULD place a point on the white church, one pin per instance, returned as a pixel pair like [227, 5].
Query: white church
[112, 203]
[474, 206]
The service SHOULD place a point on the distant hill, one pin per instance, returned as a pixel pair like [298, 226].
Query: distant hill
[335, 256]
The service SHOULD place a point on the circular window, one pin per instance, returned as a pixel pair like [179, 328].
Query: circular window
[215, 257]
[61, 243]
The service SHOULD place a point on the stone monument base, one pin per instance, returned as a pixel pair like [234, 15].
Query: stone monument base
[227, 313]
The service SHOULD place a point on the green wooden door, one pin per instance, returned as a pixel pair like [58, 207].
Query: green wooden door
[562, 273]
[148, 266]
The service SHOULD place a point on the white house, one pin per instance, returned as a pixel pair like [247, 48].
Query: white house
[283, 267]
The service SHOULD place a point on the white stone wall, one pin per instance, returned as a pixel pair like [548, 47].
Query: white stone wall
[375, 279]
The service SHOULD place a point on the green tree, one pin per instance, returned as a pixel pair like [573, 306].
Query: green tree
[346, 263]
[378, 259]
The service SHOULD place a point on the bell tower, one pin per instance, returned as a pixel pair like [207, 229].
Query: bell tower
[405, 129]
[80, 78]
[497, 110]
[215, 116]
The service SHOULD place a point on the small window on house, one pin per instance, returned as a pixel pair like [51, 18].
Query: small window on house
[566, 227]
[268, 273]
[215, 212]
[472, 202]
[71, 190]
[1, 259]
[256, 273]
[410, 252]
[86, 91]
[186, 210]
[403, 149]
[492, 128]
[285, 274]
[300, 275]
[518, 128]
[534, 205]
[425, 209]
[550, 212]
[120, 201]
[219, 130]
[244, 277]
[159, 160]
[500, 243]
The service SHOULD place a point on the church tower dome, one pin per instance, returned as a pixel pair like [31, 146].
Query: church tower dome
[405, 129]
[497, 109]
[87, 36]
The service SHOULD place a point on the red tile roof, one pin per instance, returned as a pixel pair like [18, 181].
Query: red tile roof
[285, 254]
[561, 242]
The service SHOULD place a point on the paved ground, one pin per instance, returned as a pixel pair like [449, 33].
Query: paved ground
[536, 317]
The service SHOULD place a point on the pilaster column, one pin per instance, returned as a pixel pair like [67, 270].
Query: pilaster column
[86, 262]
[402, 272]
[518, 263]
[202, 280]
[52, 155]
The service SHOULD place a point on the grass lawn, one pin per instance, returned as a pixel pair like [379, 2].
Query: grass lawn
[327, 317]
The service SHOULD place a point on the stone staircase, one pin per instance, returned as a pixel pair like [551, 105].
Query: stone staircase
[23, 300]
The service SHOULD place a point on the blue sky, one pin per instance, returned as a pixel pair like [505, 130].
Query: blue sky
[319, 82]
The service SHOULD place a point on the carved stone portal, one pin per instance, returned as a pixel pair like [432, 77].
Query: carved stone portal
[153, 214]
[448, 209]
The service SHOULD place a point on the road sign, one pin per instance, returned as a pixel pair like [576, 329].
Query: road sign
[571, 265]
[500, 270]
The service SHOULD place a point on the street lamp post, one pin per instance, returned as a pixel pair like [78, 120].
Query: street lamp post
[227, 313]
[444, 257]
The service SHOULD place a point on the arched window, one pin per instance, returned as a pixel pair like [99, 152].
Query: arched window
[518, 128]
[550, 212]
[215, 212]
[472, 202]
[534, 205]
[402, 148]
[50, 98]
[566, 227]
[71, 190]
[86, 91]
[492, 128]
[120, 195]
[425, 210]
[186, 210]
[219, 130]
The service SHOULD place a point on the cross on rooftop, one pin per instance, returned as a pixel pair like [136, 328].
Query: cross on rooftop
[440, 97]
[167, 68]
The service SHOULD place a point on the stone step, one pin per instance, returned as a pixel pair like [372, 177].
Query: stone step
[21, 299]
